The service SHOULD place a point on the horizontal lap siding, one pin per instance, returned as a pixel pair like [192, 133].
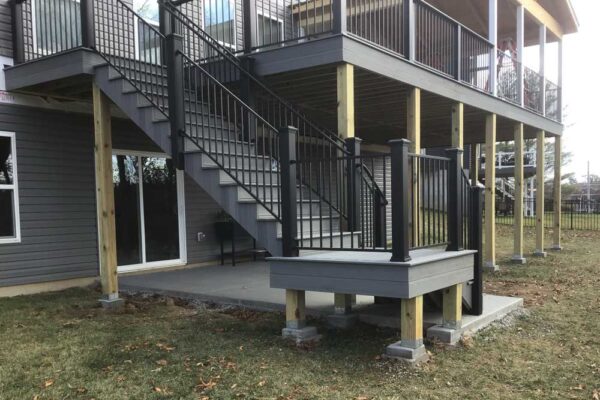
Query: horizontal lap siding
[55, 164]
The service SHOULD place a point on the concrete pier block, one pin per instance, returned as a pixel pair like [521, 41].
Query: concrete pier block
[342, 321]
[517, 259]
[301, 335]
[444, 334]
[410, 354]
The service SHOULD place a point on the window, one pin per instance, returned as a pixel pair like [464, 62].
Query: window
[270, 29]
[147, 45]
[219, 21]
[57, 25]
[10, 230]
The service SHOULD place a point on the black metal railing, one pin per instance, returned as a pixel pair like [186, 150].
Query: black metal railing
[475, 60]
[533, 90]
[553, 101]
[275, 22]
[380, 22]
[133, 47]
[508, 77]
[580, 214]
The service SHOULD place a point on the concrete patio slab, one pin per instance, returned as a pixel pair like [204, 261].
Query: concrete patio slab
[247, 285]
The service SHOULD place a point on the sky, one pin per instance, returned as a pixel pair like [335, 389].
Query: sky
[581, 81]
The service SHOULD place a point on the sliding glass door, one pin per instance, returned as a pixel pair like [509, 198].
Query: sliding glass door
[148, 211]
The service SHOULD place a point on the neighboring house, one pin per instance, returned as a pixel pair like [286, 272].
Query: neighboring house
[154, 122]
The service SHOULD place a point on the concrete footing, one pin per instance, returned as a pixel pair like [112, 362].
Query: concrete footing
[444, 335]
[301, 335]
[556, 247]
[112, 303]
[490, 266]
[517, 259]
[342, 321]
[411, 355]
[540, 254]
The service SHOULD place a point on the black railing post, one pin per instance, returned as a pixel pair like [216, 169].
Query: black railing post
[340, 16]
[458, 53]
[174, 49]
[475, 240]
[250, 26]
[289, 218]
[18, 33]
[247, 96]
[88, 37]
[400, 200]
[379, 209]
[455, 201]
[353, 185]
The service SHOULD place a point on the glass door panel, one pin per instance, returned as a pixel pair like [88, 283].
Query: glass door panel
[161, 217]
[127, 209]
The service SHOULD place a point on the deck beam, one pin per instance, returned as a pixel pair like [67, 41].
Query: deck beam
[539, 195]
[105, 199]
[490, 193]
[517, 257]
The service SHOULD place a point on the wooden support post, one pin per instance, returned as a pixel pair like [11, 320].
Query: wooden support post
[539, 195]
[414, 136]
[490, 192]
[345, 100]
[411, 322]
[295, 309]
[105, 198]
[518, 206]
[452, 307]
[458, 126]
[556, 245]
[474, 167]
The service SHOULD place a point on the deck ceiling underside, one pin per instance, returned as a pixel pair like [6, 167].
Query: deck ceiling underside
[381, 108]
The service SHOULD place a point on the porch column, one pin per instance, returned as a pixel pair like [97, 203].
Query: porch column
[518, 207]
[474, 167]
[410, 347]
[539, 195]
[413, 130]
[542, 69]
[295, 317]
[493, 38]
[345, 100]
[458, 126]
[105, 199]
[556, 245]
[490, 193]
[560, 77]
[520, 50]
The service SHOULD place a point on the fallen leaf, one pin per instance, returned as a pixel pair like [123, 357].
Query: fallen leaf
[48, 383]
[262, 383]
[162, 362]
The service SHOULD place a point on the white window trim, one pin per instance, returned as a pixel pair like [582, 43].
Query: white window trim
[15, 188]
[182, 260]
[136, 34]
[264, 14]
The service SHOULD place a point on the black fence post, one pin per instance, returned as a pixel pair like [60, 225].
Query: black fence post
[250, 26]
[86, 9]
[400, 200]
[289, 218]
[455, 201]
[174, 51]
[340, 18]
[476, 243]
[353, 186]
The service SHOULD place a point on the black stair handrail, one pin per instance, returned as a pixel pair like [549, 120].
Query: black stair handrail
[222, 51]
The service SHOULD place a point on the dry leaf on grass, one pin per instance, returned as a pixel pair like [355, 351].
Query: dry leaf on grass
[48, 383]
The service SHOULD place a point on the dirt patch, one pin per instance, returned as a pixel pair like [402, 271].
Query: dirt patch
[534, 293]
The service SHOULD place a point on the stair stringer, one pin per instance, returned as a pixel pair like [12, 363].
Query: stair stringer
[153, 124]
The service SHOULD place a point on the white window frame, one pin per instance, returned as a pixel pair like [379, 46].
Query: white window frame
[144, 265]
[15, 188]
[262, 13]
[233, 46]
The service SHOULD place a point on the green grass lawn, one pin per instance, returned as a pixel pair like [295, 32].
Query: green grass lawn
[62, 346]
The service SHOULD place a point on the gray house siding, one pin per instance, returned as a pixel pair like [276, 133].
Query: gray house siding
[55, 164]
